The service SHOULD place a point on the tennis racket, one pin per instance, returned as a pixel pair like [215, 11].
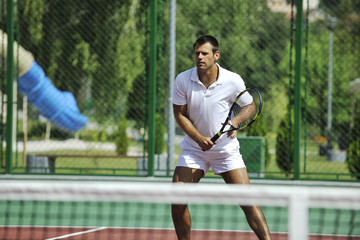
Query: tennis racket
[240, 116]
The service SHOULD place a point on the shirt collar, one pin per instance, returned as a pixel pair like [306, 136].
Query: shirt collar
[195, 77]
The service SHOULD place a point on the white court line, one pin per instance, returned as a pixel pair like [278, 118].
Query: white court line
[78, 233]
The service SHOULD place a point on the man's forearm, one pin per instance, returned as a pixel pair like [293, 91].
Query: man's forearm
[187, 126]
[184, 122]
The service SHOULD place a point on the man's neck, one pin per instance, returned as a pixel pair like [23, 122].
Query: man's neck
[209, 76]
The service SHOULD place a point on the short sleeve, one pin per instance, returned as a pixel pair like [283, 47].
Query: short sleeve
[179, 91]
[245, 99]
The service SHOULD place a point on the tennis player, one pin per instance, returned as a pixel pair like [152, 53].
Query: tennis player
[201, 100]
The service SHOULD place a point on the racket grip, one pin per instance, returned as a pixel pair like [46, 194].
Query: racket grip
[215, 137]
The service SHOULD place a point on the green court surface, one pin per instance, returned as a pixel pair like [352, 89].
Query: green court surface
[157, 216]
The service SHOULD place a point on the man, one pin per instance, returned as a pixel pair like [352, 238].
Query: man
[201, 100]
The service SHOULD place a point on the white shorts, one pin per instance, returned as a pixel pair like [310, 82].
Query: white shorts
[219, 161]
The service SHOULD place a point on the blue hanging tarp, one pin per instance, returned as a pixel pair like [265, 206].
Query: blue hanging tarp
[57, 106]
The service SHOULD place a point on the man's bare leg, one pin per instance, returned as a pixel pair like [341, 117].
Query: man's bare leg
[182, 221]
[180, 213]
[257, 222]
[254, 214]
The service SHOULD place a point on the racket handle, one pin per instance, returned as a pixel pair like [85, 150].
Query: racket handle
[215, 137]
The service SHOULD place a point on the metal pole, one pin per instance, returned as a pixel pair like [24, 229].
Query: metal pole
[152, 88]
[330, 69]
[9, 84]
[25, 131]
[171, 121]
[297, 105]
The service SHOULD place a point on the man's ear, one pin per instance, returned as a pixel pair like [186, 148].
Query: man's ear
[217, 55]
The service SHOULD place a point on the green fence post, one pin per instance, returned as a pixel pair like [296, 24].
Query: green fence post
[9, 84]
[152, 89]
[297, 105]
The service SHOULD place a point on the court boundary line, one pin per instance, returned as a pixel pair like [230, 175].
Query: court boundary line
[97, 228]
[77, 233]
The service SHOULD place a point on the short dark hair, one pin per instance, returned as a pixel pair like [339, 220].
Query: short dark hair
[208, 39]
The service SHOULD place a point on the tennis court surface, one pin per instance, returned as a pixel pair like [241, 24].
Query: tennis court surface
[141, 210]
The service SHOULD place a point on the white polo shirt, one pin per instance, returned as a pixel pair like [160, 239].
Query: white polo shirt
[208, 108]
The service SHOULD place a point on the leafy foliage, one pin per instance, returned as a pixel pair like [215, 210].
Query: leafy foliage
[105, 46]
[160, 130]
[121, 140]
[353, 152]
[285, 146]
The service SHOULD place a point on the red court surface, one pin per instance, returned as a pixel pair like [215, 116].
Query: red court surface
[72, 233]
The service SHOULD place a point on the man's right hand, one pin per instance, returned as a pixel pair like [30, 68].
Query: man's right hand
[205, 143]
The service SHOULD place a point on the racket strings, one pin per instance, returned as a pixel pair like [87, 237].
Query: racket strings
[240, 120]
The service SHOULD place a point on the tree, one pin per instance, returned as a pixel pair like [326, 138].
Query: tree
[353, 152]
[346, 67]
[160, 130]
[121, 140]
[285, 146]
[84, 42]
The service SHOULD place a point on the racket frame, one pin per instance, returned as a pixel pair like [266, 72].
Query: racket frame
[228, 118]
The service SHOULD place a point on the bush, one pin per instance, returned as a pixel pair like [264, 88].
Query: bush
[160, 130]
[121, 140]
[353, 152]
[285, 146]
[36, 130]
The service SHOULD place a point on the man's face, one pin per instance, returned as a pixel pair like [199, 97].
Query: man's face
[204, 56]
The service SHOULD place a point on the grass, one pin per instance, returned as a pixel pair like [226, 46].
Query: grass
[84, 165]
[316, 167]
[313, 166]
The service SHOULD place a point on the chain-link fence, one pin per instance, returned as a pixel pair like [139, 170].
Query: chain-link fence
[98, 52]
